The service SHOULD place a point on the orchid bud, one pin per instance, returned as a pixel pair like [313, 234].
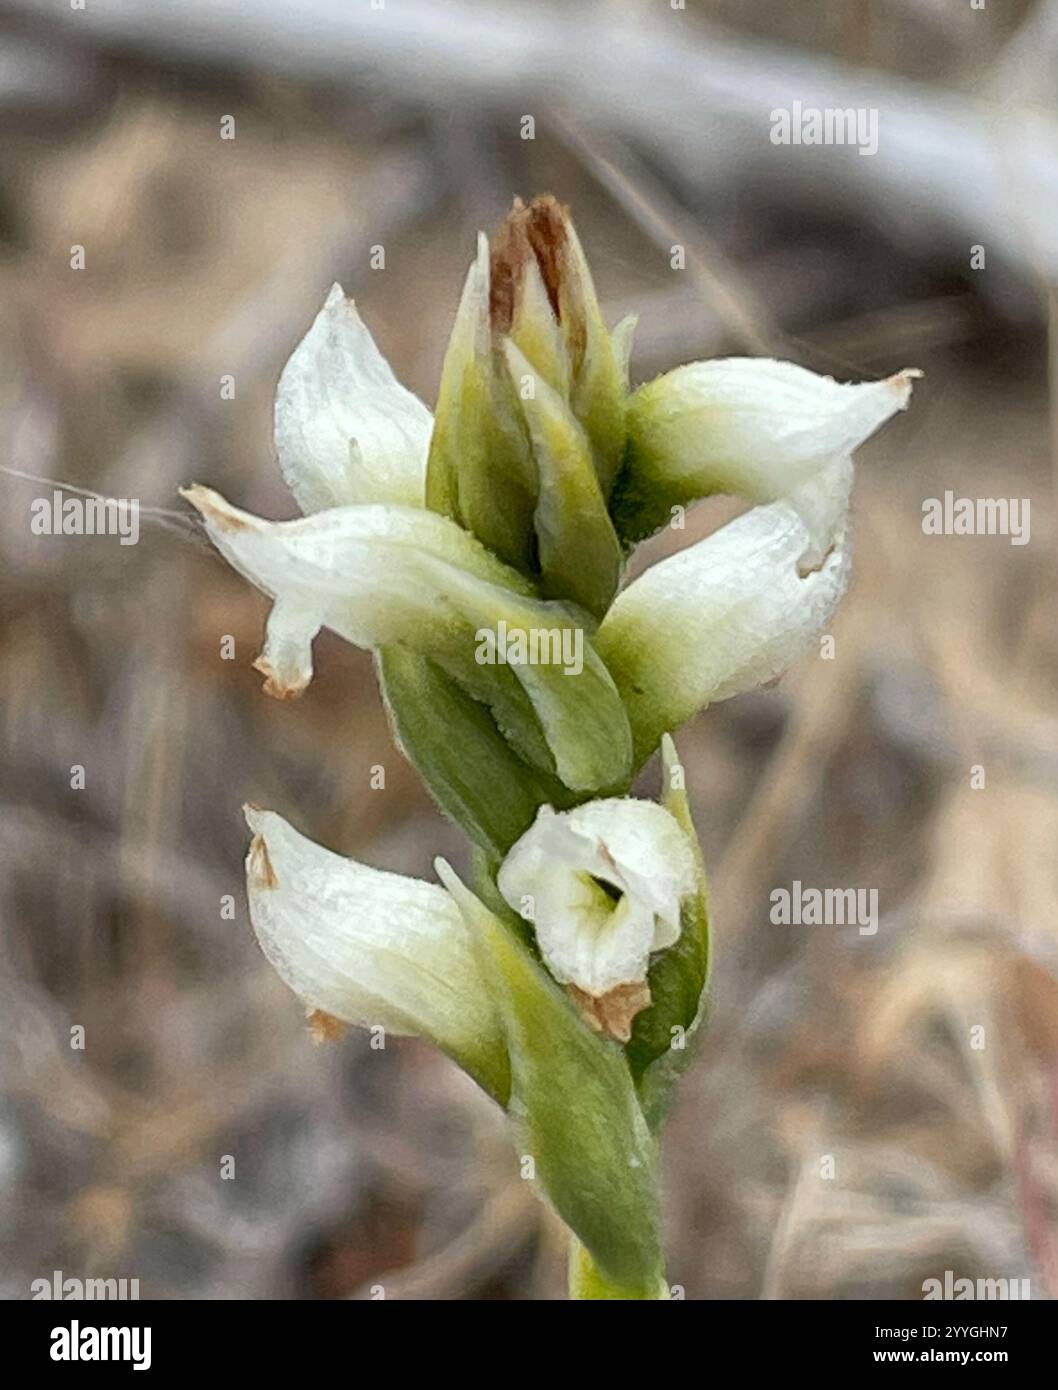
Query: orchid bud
[541, 283]
[530, 427]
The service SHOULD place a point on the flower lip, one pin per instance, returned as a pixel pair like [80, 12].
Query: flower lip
[606, 882]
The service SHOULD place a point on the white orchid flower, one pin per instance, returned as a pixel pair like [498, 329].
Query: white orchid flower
[754, 428]
[728, 613]
[370, 948]
[603, 885]
[384, 576]
[738, 608]
[346, 432]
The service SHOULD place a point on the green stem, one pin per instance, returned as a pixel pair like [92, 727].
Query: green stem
[586, 1279]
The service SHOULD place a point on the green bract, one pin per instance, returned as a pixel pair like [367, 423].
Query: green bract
[575, 1108]
[480, 555]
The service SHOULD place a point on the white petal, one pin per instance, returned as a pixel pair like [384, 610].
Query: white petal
[345, 429]
[368, 947]
[586, 938]
[718, 618]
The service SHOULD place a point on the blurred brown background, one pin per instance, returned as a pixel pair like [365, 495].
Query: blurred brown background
[400, 126]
